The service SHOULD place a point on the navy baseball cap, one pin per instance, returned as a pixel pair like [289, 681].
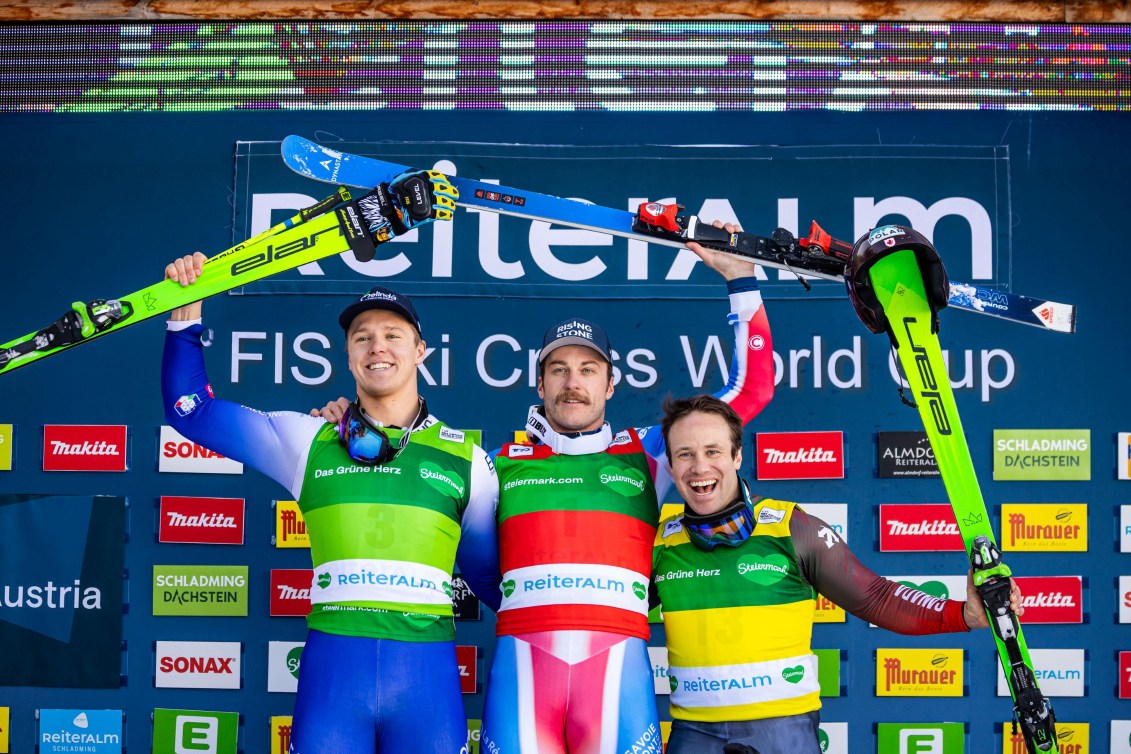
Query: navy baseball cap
[575, 332]
[379, 297]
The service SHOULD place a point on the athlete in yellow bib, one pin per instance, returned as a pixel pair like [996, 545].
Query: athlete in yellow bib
[736, 576]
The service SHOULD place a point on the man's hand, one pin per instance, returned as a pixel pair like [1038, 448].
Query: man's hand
[185, 271]
[333, 411]
[974, 612]
[727, 265]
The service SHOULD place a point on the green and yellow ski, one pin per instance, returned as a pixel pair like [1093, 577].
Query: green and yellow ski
[332, 226]
[898, 284]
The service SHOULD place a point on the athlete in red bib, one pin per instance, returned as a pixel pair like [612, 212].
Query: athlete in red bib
[577, 515]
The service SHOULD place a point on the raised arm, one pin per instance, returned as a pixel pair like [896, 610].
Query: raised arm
[274, 444]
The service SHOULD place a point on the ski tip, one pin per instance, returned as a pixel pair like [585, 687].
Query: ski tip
[1056, 317]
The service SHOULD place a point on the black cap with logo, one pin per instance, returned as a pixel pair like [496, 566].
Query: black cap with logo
[380, 297]
[575, 332]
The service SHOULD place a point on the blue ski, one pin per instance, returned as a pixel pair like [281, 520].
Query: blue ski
[818, 256]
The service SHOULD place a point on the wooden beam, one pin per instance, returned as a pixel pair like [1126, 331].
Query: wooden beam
[1066, 11]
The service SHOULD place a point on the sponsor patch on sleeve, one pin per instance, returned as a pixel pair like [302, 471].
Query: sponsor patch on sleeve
[518, 451]
[674, 526]
[770, 516]
[454, 435]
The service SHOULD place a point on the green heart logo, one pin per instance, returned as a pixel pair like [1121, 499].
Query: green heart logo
[508, 587]
[447, 588]
[444, 481]
[823, 739]
[672, 682]
[639, 590]
[324, 580]
[294, 659]
[763, 570]
[627, 482]
[794, 674]
[932, 587]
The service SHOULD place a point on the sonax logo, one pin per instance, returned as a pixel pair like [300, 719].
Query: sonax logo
[919, 672]
[179, 455]
[201, 520]
[1052, 599]
[1061, 527]
[919, 528]
[800, 455]
[84, 447]
[198, 665]
[290, 591]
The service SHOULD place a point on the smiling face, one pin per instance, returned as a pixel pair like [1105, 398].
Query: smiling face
[384, 349]
[704, 462]
[574, 385]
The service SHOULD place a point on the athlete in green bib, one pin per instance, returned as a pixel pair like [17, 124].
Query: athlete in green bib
[385, 494]
[737, 576]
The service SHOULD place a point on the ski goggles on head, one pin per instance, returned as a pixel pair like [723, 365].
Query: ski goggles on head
[367, 443]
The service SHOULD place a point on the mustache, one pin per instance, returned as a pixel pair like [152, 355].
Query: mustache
[571, 396]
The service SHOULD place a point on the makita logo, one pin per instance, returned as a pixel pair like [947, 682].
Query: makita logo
[929, 527]
[84, 448]
[902, 528]
[285, 592]
[202, 520]
[87, 448]
[800, 455]
[1055, 599]
[1052, 599]
[290, 591]
[215, 520]
[812, 455]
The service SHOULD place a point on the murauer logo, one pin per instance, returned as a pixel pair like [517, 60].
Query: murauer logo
[1046, 528]
[92, 447]
[290, 527]
[919, 672]
[800, 455]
